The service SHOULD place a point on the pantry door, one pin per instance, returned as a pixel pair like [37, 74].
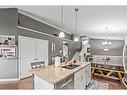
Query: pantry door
[42, 50]
[27, 53]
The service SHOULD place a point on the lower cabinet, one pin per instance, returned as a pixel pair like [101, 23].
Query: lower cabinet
[39, 84]
[79, 80]
[88, 73]
[82, 77]
[66, 84]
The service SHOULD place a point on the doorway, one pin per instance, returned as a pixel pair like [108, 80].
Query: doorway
[65, 50]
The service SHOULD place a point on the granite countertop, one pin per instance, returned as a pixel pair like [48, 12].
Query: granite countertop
[53, 74]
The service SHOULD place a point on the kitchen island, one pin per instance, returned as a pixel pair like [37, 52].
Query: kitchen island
[62, 78]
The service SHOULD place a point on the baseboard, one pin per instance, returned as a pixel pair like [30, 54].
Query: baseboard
[8, 80]
[25, 77]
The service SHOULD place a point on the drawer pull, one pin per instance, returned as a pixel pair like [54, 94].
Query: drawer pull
[66, 83]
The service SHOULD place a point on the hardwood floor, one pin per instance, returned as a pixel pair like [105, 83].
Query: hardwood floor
[26, 84]
[113, 84]
[9, 85]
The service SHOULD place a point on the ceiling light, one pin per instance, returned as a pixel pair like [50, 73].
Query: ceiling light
[106, 49]
[106, 43]
[76, 38]
[81, 34]
[61, 34]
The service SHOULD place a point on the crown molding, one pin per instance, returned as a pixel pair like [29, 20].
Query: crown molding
[40, 20]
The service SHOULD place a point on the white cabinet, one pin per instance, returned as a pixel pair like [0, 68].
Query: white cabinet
[26, 55]
[84, 74]
[31, 50]
[40, 84]
[82, 77]
[88, 74]
[42, 51]
[78, 80]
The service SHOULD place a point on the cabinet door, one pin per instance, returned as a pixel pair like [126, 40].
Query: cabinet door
[79, 80]
[88, 74]
[40, 84]
[27, 51]
[42, 51]
[84, 74]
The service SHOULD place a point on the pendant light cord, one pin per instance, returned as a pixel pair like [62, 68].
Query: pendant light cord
[62, 16]
[76, 10]
[61, 34]
[106, 38]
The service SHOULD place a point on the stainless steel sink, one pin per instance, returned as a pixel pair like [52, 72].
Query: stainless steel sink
[71, 66]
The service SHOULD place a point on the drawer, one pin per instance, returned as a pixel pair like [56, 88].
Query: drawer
[66, 83]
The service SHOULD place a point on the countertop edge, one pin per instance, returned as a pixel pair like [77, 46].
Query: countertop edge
[74, 71]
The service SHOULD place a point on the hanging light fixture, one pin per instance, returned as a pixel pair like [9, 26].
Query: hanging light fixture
[106, 49]
[106, 43]
[62, 34]
[76, 38]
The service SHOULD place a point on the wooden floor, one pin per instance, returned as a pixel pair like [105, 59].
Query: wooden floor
[26, 84]
[113, 84]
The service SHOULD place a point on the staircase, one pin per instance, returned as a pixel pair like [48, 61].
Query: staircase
[80, 54]
[76, 56]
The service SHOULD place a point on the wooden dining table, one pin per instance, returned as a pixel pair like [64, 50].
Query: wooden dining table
[108, 70]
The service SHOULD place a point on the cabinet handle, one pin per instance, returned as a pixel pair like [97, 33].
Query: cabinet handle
[66, 83]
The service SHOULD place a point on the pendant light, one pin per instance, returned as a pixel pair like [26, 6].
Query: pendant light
[106, 43]
[76, 38]
[106, 49]
[62, 34]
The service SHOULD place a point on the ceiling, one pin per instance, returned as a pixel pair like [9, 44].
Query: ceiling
[92, 20]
